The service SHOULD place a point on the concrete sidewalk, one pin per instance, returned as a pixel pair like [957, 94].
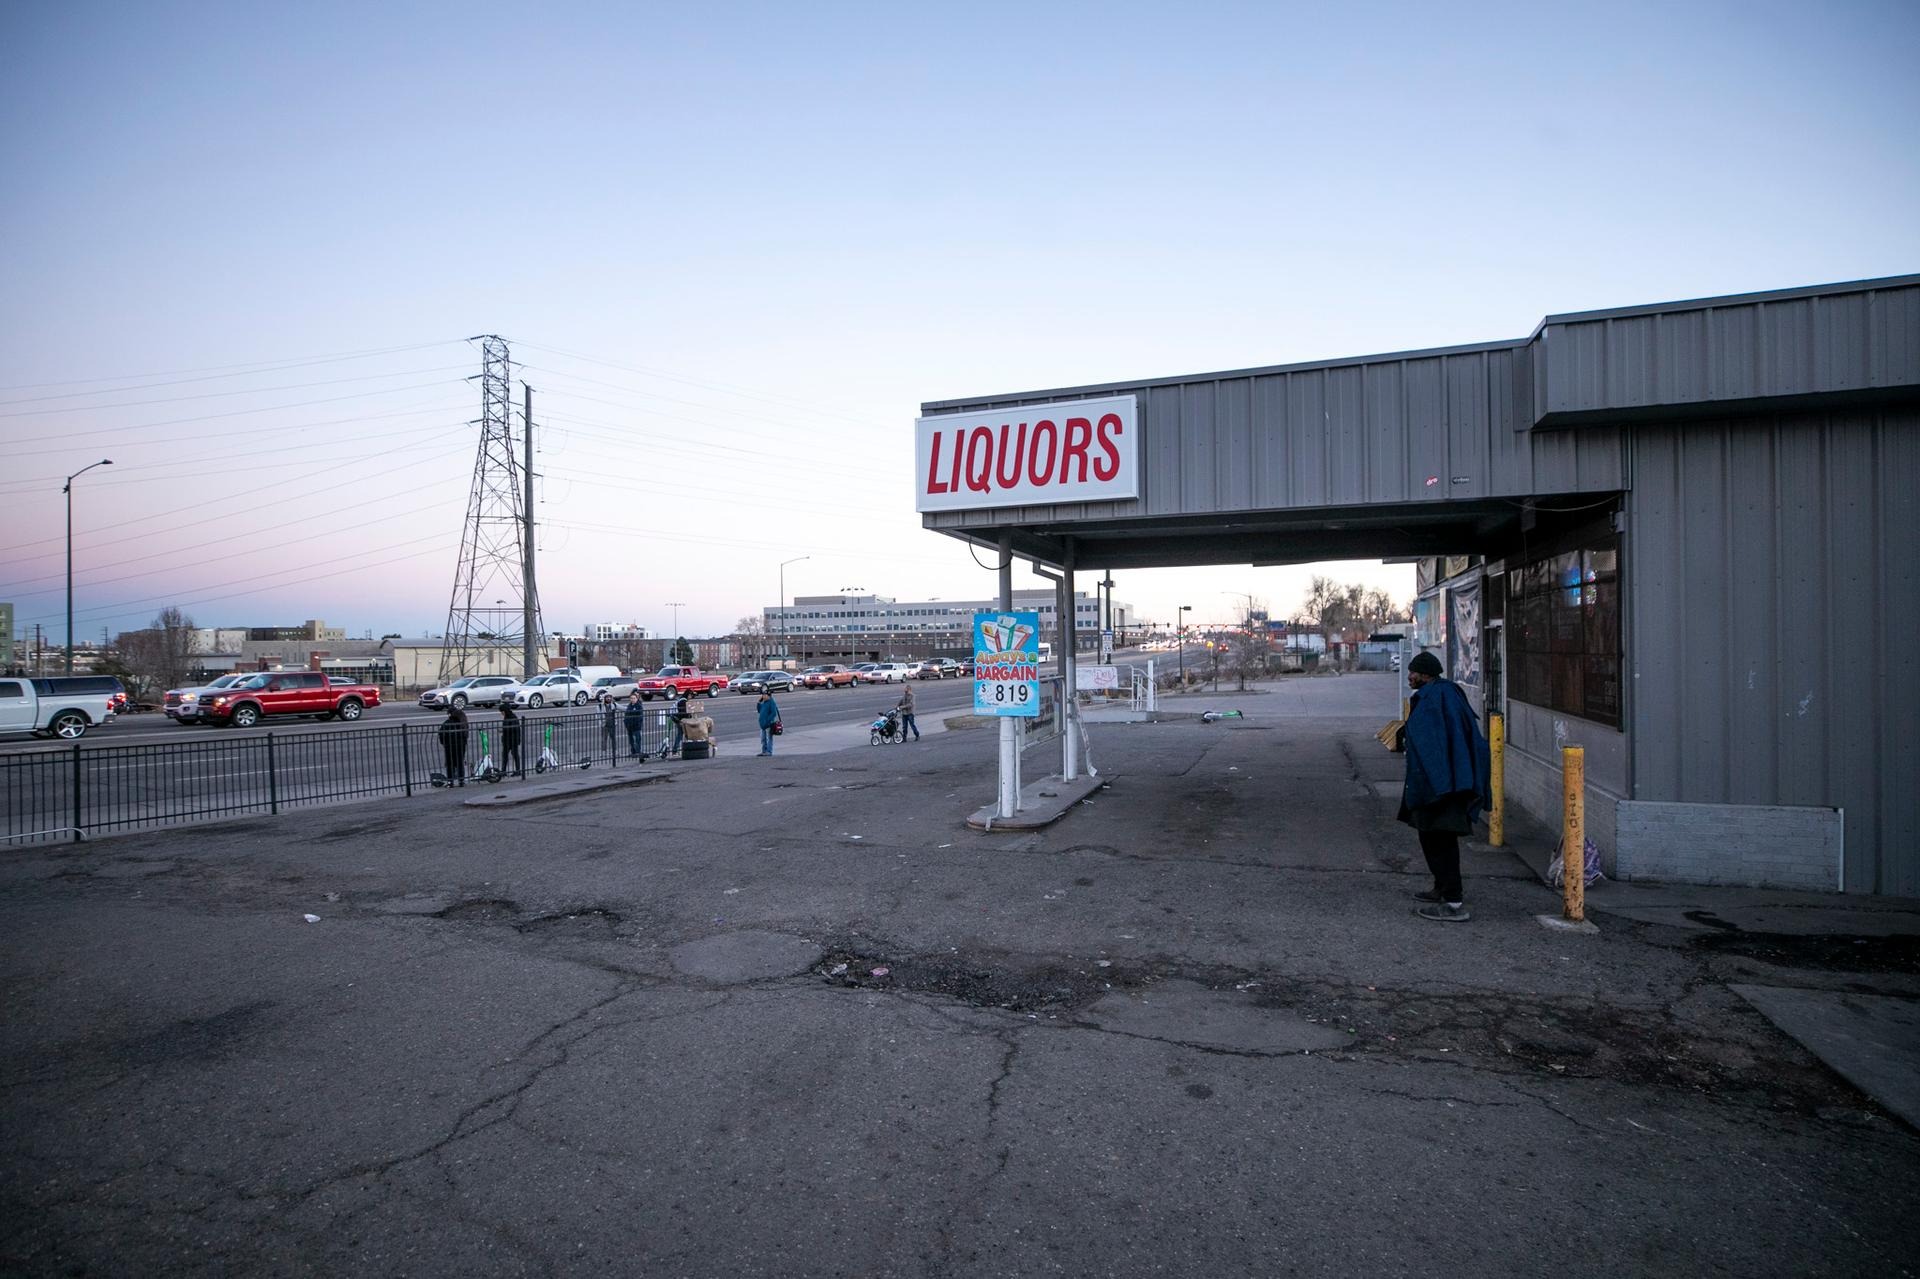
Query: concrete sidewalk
[789, 1016]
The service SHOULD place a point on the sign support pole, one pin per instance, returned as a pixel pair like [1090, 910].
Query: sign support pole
[1067, 634]
[1009, 730]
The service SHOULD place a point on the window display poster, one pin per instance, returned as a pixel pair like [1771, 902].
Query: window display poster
[1463, 634]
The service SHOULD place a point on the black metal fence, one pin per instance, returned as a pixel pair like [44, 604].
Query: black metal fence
[69, 792]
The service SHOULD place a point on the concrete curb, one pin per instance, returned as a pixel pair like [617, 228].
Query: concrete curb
[578, 783]
[1042, 803]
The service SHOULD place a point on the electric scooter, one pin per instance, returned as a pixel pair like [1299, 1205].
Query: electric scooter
[550, 762]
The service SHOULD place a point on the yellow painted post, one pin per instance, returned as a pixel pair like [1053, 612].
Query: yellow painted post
[1573, 830]
[1497, 815]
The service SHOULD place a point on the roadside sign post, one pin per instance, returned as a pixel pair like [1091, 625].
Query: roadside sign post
[1006, 685]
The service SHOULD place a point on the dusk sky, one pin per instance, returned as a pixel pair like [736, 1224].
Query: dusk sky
[736, 246]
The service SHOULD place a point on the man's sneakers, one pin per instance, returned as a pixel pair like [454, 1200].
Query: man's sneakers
[1445, 913]
[1428, 896]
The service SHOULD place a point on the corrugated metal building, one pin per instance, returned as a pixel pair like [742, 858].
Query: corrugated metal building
[1699, 527]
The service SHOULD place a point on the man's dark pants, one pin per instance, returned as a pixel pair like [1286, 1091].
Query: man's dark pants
[1443, 859]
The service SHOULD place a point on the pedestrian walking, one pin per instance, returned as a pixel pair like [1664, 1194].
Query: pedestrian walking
[635, 719]
[453, 744]
[510, 727]
[1449, 781]
[769, 712]
[905, 707]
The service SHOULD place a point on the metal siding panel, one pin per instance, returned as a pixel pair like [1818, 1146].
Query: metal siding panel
[1749, 580]
[1273, 433]
[1895, 321]
[1384, 450]
[1784, 333]
[1197, 489]
[1423, 392]
[1307, 443]
[1852, 698]
[1844, 359]
[1798, 627]
[1730, 352]
[1507, 400]
[1163, 480]
[1233, 458]
[1630, 360]
[1888, 640]
[1470, 427]
[1680, 353]
[1703, 624]
[1346, 438]
[1656, 652]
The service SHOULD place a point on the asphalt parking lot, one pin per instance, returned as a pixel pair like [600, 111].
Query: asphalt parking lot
[789, 1017]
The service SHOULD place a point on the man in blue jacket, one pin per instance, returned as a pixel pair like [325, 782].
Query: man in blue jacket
[1449, 781]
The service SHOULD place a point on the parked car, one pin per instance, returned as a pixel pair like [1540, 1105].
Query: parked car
[829, 676]
[884, 673]
[762, 682]
[613, 688]
[64, 707]
[475, 690]
[936, 668]
[556, 688]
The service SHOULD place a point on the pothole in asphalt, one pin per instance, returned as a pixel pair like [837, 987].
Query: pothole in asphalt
[747, 955]
[1893, 954]
[589, 922]
[480, 910]
[1017, 983]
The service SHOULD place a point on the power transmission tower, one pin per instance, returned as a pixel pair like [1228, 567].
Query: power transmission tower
[493, 620]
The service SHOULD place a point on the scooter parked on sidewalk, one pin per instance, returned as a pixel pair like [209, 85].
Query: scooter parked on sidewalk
[550, 762]
[485, 771]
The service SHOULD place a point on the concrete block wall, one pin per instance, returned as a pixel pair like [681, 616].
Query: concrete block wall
[1534, 739]
[1756, 845]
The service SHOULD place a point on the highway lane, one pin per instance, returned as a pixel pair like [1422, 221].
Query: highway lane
[163, 773]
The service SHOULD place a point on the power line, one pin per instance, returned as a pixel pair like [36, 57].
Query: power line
[252, 432]
[215, 417]
[214, 395]
[216, 371]
[280, 499]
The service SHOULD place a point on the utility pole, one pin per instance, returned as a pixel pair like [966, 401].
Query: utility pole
[1106, 628]
[68, 490]
[530, 598]
[676, 606]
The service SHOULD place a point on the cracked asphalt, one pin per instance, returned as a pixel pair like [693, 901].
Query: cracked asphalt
[790, 1017]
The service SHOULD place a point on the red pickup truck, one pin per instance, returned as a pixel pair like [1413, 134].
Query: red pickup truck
[287, 693]
[670, 682]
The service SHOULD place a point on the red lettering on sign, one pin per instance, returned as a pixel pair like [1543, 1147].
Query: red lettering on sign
[980, 449]
[953, 476]
[933, 468]
[1015, 455]
[1035, 453]
[1110, 426]
[1079, 435]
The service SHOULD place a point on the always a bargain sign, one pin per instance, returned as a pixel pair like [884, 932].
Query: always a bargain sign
[1079, 451]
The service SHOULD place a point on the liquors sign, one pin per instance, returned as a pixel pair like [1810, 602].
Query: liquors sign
[1078, 451]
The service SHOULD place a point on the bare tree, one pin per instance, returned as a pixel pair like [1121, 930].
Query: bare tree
[1249, 657]
[159, 657]
[751, 633]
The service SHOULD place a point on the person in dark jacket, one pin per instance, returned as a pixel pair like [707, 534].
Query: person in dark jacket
[769, 715]
[453, 744]
[1449, 781]
[510, 741]
[676, 727]
[635, 720]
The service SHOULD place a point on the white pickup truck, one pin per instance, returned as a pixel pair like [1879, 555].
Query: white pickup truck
[57, 707]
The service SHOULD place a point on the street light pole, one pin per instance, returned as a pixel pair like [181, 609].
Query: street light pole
[1180, 633]
[68, 490]
[676, 606]
[786, 646]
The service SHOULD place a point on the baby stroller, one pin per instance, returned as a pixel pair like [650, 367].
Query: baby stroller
[885, 728]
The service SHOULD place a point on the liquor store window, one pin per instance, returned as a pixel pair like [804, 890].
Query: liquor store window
[1563, 631]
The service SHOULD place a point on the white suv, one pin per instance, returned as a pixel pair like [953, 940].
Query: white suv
[885, 673]
[556, 689]
[479, 690]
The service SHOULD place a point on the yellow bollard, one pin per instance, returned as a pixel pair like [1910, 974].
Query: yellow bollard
[1497, 815]
[1573, 830]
